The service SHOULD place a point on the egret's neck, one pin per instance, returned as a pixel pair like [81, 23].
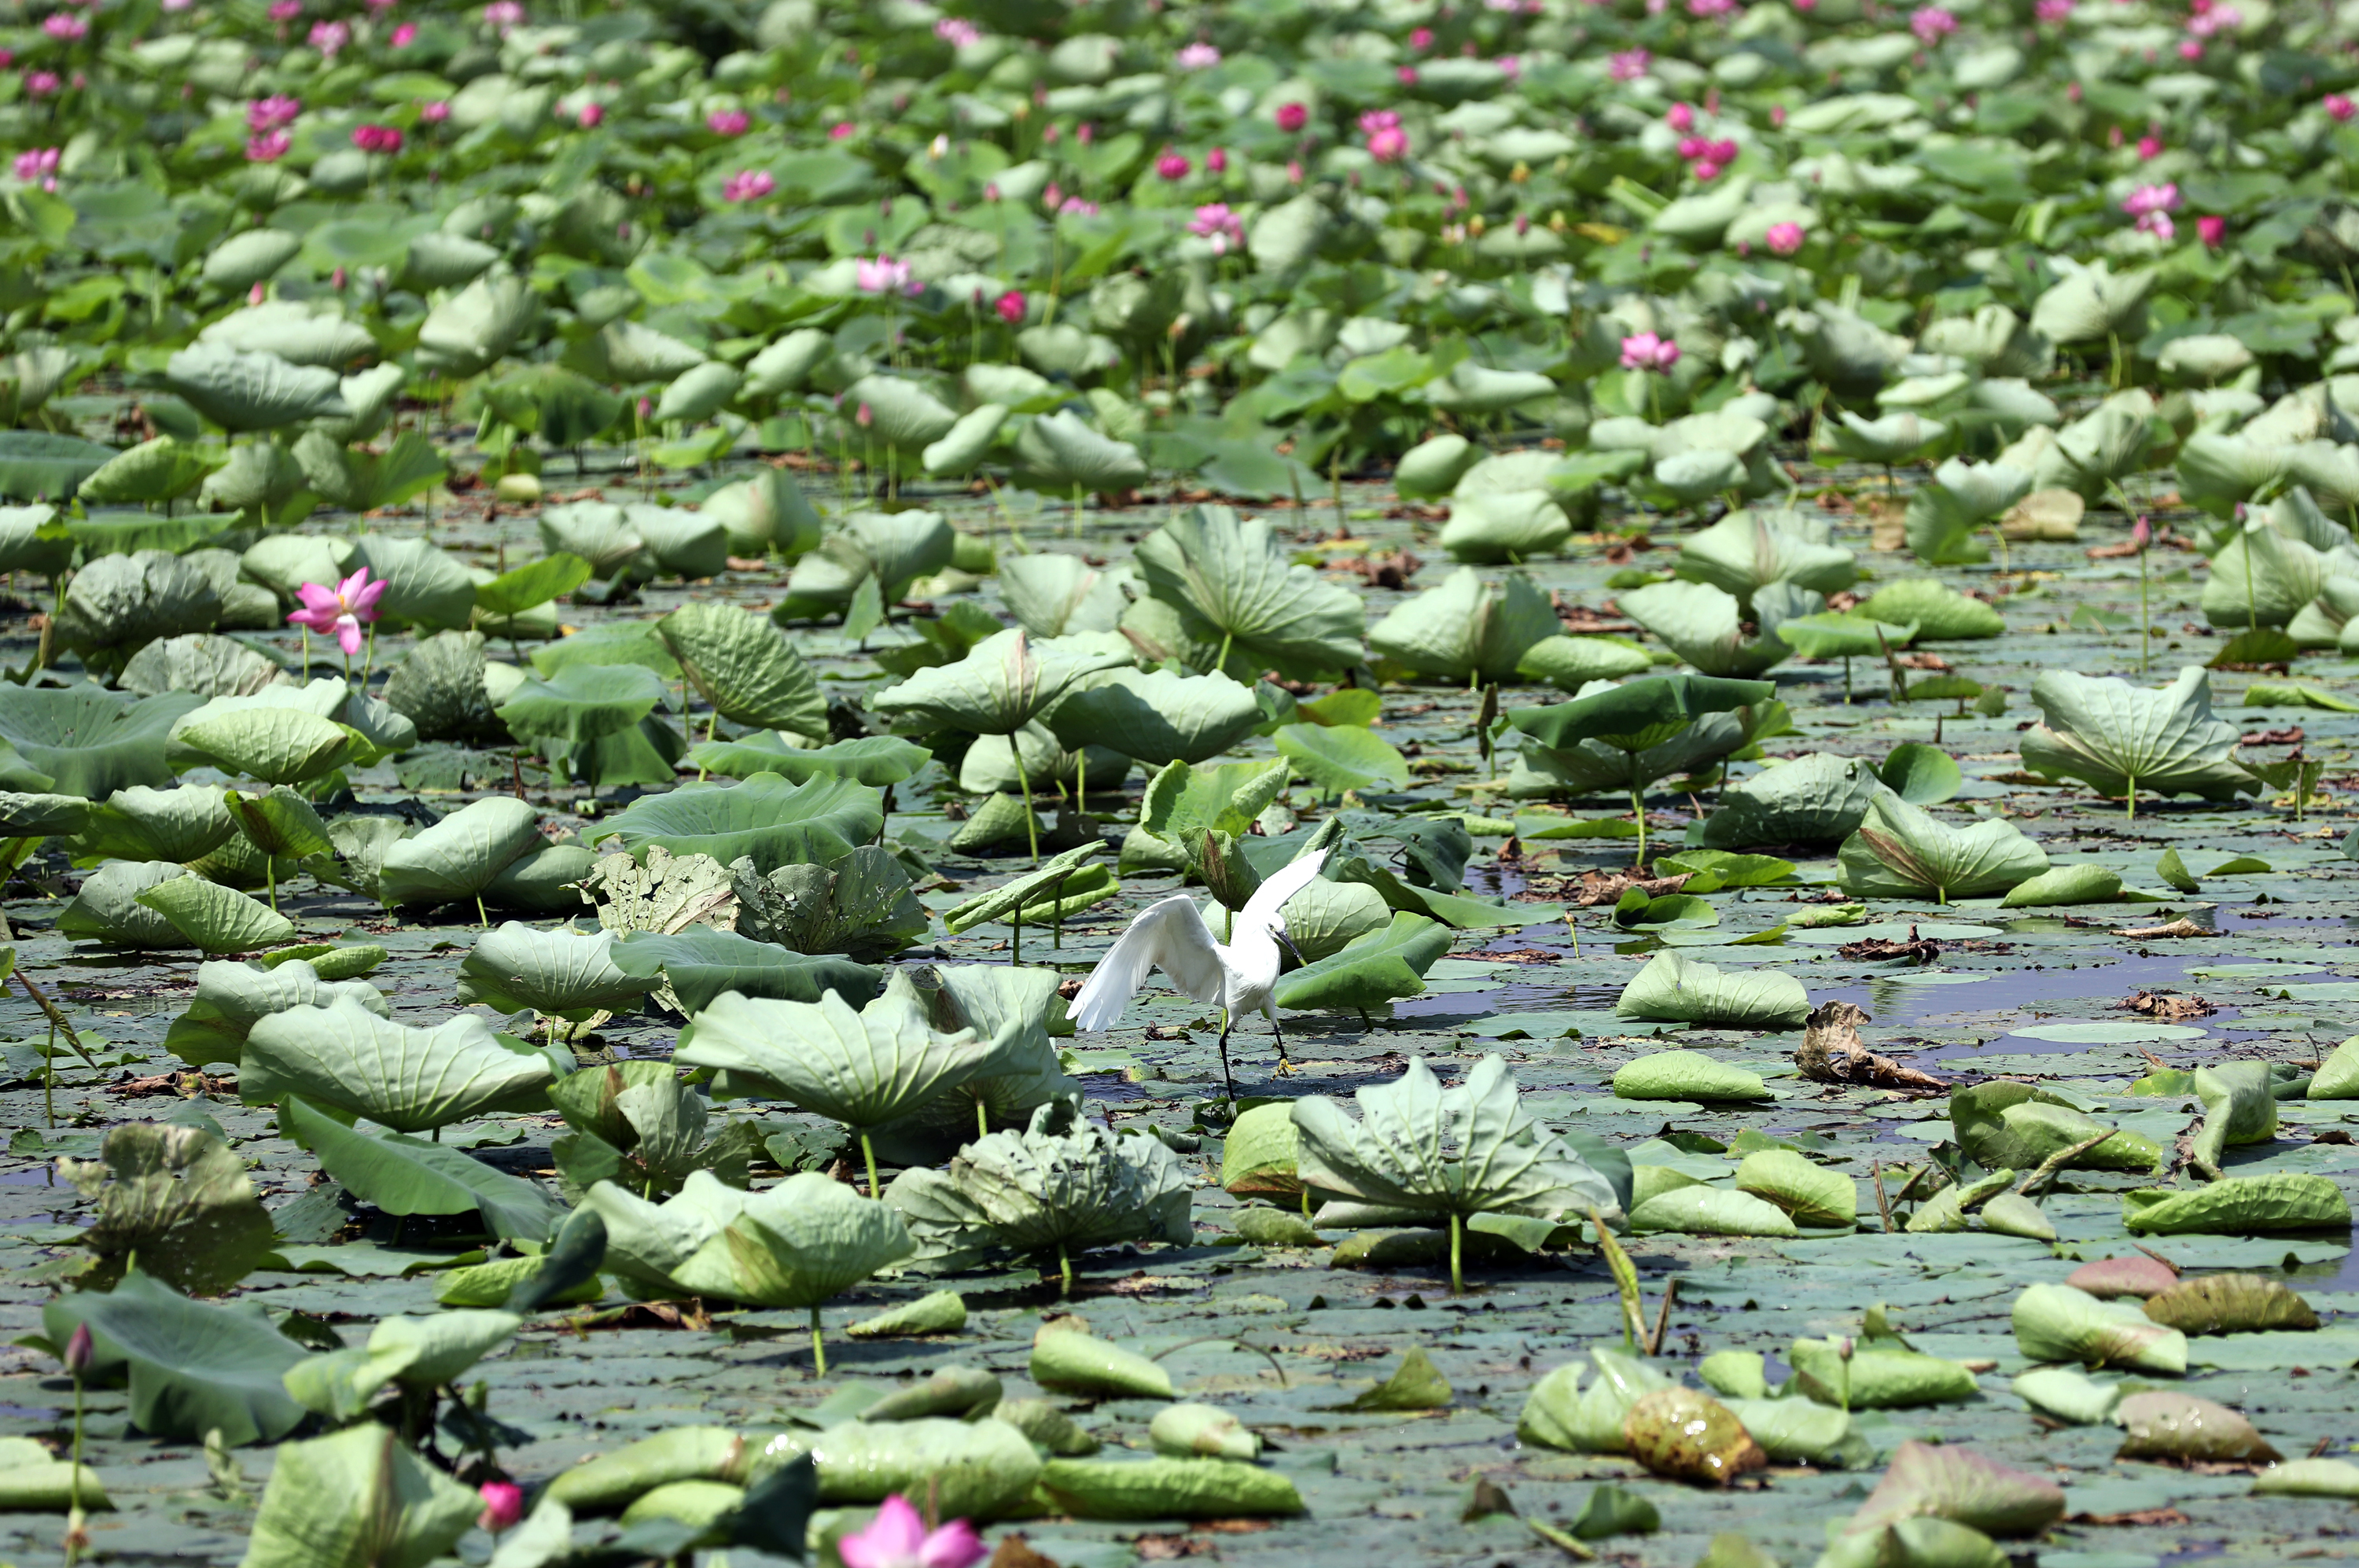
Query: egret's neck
[1253, 952]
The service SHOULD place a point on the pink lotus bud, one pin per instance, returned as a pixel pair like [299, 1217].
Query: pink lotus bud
[1216, 161]
[79, 1352]
[592, 114]
[2339, 108]
[1173, 166]
[2212, 231]
[503, 1506]
[1679, 117]
[1009, 307]
[255, 296]
[1292, 118]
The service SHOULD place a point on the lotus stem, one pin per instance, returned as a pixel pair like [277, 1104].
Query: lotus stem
[819, 1345]
[868, 1151]
[982, 1119]
[1226, 638]
[1065, 1270]
[1024, 779]
[2129, 805]
[1457, 1271]
[58, 1024]
[270, 876]
[482, 917]
[1638, 810]
[73, 1491]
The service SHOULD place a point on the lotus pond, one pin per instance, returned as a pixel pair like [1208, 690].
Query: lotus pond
[609, 610]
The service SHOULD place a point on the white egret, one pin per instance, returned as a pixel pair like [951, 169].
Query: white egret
[1170, 936]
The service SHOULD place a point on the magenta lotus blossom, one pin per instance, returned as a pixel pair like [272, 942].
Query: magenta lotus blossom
[1388, 143]
[376, 138]
[2152, 205]
[899, 1539]
[957, 32]
[1074, 207]
[2150, 149]
[590, 115]
[1644, 351]
[883, 275]
[38, 167]
[60, 25]
[338, 611]
[2142, 532]
[2212, 231]
[751, 185]
[272, 114]
[1931, 25]
[1009, 307]
[1629, 65]
[2053, 11]
[285, 11]
[1784, 239]
[2206, 18]
[7, 58]
[267, 148]
[503, 1506]
[1199, 56]
[841, 131]
[1406, 76]
[434, 111]
[404, 35]
[2339, 108]
[1421, 40]
[1679, 117]
[330, 38]
[727, 122]
[1292, 118]
[1173, 166]
[1215, 223]
[41, 83]
[501, 15]
[1216, 161]
[1707, 8]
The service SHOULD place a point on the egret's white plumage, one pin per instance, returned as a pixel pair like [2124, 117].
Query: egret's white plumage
[1170, 936]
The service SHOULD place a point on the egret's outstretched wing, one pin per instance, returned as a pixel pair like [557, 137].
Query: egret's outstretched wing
[1169, 934]
[1282, 884]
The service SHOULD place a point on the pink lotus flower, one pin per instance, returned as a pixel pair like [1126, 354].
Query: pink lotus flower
[41, 83]
[1707, 8]
[1009, 307]
[1173, 166]
[1785, 239]
[2053, 11]
[2339, 108]
[727, 122]
[267, 148]
[1074, 207]
[434, 112]
[840, 132]
[38, 167]
[1217, 223]
[285, 11]
[883, 275]
[957, 33]
[1931, 25]
[1644, 351]
[272, 113]
[2142, 532]
[1216, 161]
[1196, 56]
[330, 37]
[404, 35]
[1509, 66]
[2150, 149]
[899, 1539]
[1421, 40]
[2212, 231]
[1679, 117]
[1292, 118]
[503, 1506]
[751, 185]
[338, 611]
[1629, 65]
[1704, 169]
[7, 58]
[256, 294]
[59, 25]
[590, 115]
[501, 15]
[2190, 49]
[863, 416]
[1294, 171]
[376, 138]
[2152, 205]
[1388, 143]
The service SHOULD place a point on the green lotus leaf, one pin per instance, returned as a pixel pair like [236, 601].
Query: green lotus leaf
[159, 470]
[794, 1245]
[253, 391]
[176, 1201]
[2058, 1323]
[214, 919]
[700, 963]
[119, 603]
[1878, 1376]
[1900, 852]
[745, 669]
[1067, 454]
[1939, 614]
[764, 818]
[878, 761]
[1235, 588]
[2004, 1124]
[2260, 577]
[583, 704]
[767, 515]
[1370, 971]
[1747, 551]
[1686, 1074]
[425, 586]
[277, 745]
[561, 973]
[599, 532]
[466, 334]
[34, 815]
[1052, 594]
[901, 414]
[997, 689]
[243, 260]
[233, 998]
[344, 1056]
[1466, 629]
[1516, 525]
[207, 665]
[2238, 1206]
[1706, 626]
[296, 331]
[193, 1367]
[893, 550]
[1696, 1209]
[2091, 303]
[1337, 757]
[1674, 988]
[2119, 737]
[1809, 1191]
[1158, 718]
[403, 1175]
[2061, 885]
[458, 857]
[1572, 663]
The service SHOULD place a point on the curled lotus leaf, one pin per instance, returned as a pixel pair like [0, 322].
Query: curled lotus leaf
[2163, 1423]
[1691, 1436]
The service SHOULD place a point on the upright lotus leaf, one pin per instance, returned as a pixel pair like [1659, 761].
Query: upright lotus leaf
[256, 391]
[1952, 1482]
[1896, 437]
[2058, 1323]
[278, 745]
[1000, 1003]
[466, 334]
[876, 760]
[1002, 685]
[1706, 627]
[1817, 798]
[762, 819]
[175, 1199]
[214, 919]
[159, 470]
[141, 823]
[2239, 1108]
[1944, 515]
[108, 909]
[581, 704]
[403, 1175]
[2119, 737]
[2091, 303]
[280, 826]
[193, 1369]
[2261, 578]
[420, 1355]
[1506, 526]
[893, 550]
[1055, 595]
[859, 905]
[1372, 970]
[233, 998]
[1062, 1185]
[795, 1245]
[1559, 1414]
[558, 974]
[357, 1500]
[1812, 1193]
[119, 603]
[2005, 1124]
[1235, 587]
[1627, 736]
[1466, 629]
[207, 665]
[439, 686]
[1747, 551]
[1901, 852]
[301, 332]
[900, 414]
[2239, 1205]
[1185, 801]
[411, 1080]
[1940, 612]
[1674, 988]
[686, 970]
[745, 669]
[1159, 718]
[458, 857]
[1065, 453]
[425, 586]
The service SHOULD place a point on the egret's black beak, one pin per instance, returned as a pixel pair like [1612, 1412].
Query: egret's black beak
[1290, 947]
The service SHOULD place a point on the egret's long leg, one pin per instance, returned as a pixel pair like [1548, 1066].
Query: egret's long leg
[1228, 1081]
[1285, 1067]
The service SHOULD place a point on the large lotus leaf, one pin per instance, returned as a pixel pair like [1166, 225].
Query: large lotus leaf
[214, 919]
[697, 393]
[193, 1367]
[1940, 614]
[1466, 629]
[1236, 588]
[795, 1245]
[1748, 550]
[765, 515]
[764, 819]
[745, 669]
[1812, 1193]
[862, 1068]
[295, 332]
[1471, 388]
[278, 746]
[699, 964]
[344, 1055]
[1674, 988]
[159, 470]
[439, 686]
[2003, 1124]
[1185, 800]
[1511, 525]
[466, 334]
[37, 815]
[1001, 684]
[175, 1199]
[879, 760]
[894, 549]
[900, 413]
[207, 665]
[244, 259]
[1944, 514]
[1067, 454]
[241, 391]
[859, 905]
[1638, 713]
[1878, 1376]
[583, 704]
[1705, 627]
[1896, 437]
[143, 823]
[1901, 852]
[1337, 757]
[108, 909]
[687, 544]
[2260, 577]
[962, 446]
[562, 973]
[2219, 472]
[608, 643]
[357, 1500]
[1053, 594]
[1372, 970]
[1063, 1184]
[425, 586]
[2239, 1205]
[2091, 303]
[1467, 1150]
[458, 857]
[118, 603]
[2119, 737]
[1950, 1481]
[233, 998]
[1696, 1209]
[1593, 767]
[599, 532]
[1572, 663]
[405, 1175]
[2106, 445]
[1158, 718]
